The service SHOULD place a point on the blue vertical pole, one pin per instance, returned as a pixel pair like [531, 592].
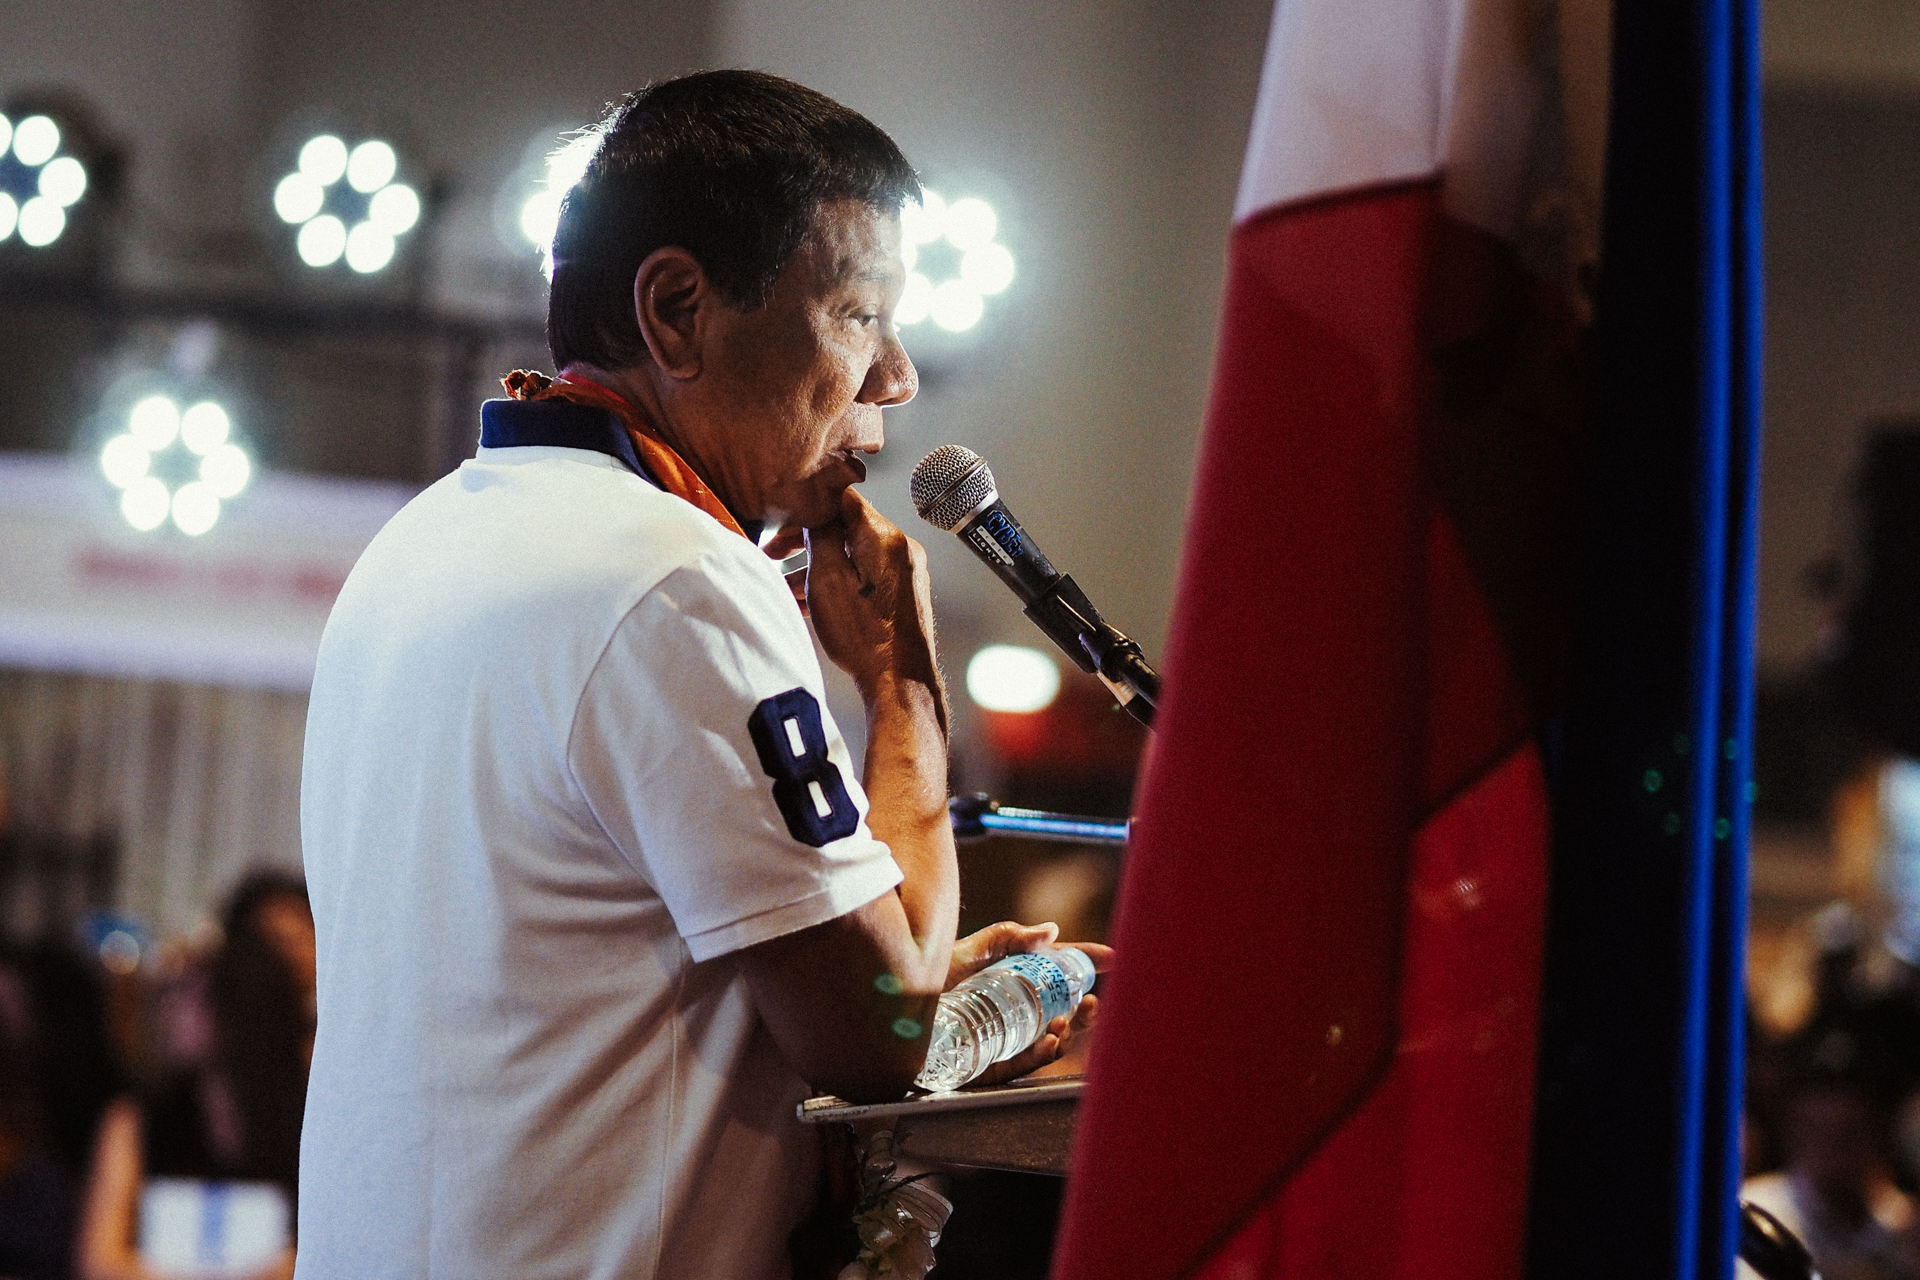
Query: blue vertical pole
[1721, 1168]
[1637, 1117]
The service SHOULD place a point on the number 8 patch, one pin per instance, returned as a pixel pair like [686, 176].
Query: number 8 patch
[792, 742]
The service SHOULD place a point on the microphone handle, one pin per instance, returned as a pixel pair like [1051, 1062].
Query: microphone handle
[1057, 605]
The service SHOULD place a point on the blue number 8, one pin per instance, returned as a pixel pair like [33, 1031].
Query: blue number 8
[792, 743]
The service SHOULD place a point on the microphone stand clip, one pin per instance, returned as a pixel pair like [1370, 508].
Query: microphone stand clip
[1097, 647]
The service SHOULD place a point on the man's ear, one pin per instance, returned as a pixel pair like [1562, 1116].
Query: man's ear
[672, 299]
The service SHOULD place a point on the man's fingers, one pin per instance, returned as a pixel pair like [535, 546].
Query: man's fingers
[996, 942]
[1099, 953]
[789, 539]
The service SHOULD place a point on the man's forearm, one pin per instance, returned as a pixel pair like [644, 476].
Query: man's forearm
[906, 782]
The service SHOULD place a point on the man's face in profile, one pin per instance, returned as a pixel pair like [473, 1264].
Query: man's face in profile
[801, 380]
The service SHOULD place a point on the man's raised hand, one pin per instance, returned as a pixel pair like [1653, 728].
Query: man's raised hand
[871, 599]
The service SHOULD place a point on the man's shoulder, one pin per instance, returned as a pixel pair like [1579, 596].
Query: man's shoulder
[547, 542]
[562, 515]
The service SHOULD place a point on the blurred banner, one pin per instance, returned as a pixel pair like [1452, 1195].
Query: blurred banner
[1403, 564]
[153, 688]
[241, 604]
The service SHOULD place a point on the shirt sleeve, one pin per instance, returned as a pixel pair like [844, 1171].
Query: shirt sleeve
[705, 749]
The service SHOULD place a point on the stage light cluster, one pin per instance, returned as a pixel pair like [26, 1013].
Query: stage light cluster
[175, 462]
[37, 184]
[937, 237]
[360, 219]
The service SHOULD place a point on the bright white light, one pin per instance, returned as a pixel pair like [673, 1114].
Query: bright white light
[298, 197]
[9, 215]
[540, 217]
[324, 159]
[6, 134]
[41, 221]
[566, 165]
[322, 241]
[569, 163]
[123, 460]
[146, 503]
[915, 300]
[371, 166]
[35, 139]
[225, 470]
[394, 209]
[926, 221]
[368, 248]
[154, 423]
[971, 223]
[955, 307]
[988, 269]
[195, 508]
[64, 181]
[909, 253]
[204, 426]
[1011, 677]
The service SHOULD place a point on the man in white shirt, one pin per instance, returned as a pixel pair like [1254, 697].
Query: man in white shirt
[599, 892]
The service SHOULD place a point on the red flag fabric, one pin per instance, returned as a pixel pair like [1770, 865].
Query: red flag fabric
[1316, 1055]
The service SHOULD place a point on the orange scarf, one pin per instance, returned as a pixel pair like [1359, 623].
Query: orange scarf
[667, 466]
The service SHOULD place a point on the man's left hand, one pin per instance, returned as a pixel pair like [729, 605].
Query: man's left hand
[998, 941]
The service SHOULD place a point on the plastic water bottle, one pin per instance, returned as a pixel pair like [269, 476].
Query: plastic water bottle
[1001, 1010]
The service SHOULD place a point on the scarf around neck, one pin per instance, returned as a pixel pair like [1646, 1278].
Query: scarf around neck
[667, 466]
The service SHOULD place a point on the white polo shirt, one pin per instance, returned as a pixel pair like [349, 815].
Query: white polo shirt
[567, 749]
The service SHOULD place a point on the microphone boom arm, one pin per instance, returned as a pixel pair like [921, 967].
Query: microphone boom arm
[1097, 647]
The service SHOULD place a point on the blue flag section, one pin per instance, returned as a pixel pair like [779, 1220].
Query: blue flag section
[1636, 1143]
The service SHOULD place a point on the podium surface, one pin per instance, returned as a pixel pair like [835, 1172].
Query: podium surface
[1025, 1125]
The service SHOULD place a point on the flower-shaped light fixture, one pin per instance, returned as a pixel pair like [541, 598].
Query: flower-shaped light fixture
[953, 262]
[360, 219]
[37, 184]
[175, 462]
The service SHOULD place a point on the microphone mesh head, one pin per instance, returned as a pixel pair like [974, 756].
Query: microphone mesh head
[948, 483]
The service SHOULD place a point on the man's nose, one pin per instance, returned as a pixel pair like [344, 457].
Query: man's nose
[892, 379]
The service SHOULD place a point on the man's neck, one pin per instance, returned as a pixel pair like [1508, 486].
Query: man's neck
[633, 386]
[639, 391]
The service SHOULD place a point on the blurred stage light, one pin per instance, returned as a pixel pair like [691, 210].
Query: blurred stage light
[169, 462]
[1011, 677]
[559, 168]
[37, 184]
[359, 220]
[953, 262]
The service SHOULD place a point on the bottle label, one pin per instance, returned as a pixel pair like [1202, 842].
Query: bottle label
[1049, 979]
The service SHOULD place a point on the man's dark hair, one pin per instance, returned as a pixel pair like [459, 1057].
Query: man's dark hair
[728, 165]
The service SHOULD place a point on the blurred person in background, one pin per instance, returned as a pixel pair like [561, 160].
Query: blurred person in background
[57, 1074]
[1850, 974]
[1836, 1190]
[233, 1114]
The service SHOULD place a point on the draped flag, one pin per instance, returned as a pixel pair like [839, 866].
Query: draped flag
[1318, 1053]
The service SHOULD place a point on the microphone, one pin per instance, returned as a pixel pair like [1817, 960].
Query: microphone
[954, 490]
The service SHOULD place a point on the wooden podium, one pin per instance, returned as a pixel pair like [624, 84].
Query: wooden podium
[1025, 1125]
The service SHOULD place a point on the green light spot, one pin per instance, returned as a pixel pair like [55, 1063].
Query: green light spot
[1682, 744]
[1730, 748]
[1651, 780]
[887, 984]
[1720, 828]
[1753, 791]
[1671, 825]
[906, 1028]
